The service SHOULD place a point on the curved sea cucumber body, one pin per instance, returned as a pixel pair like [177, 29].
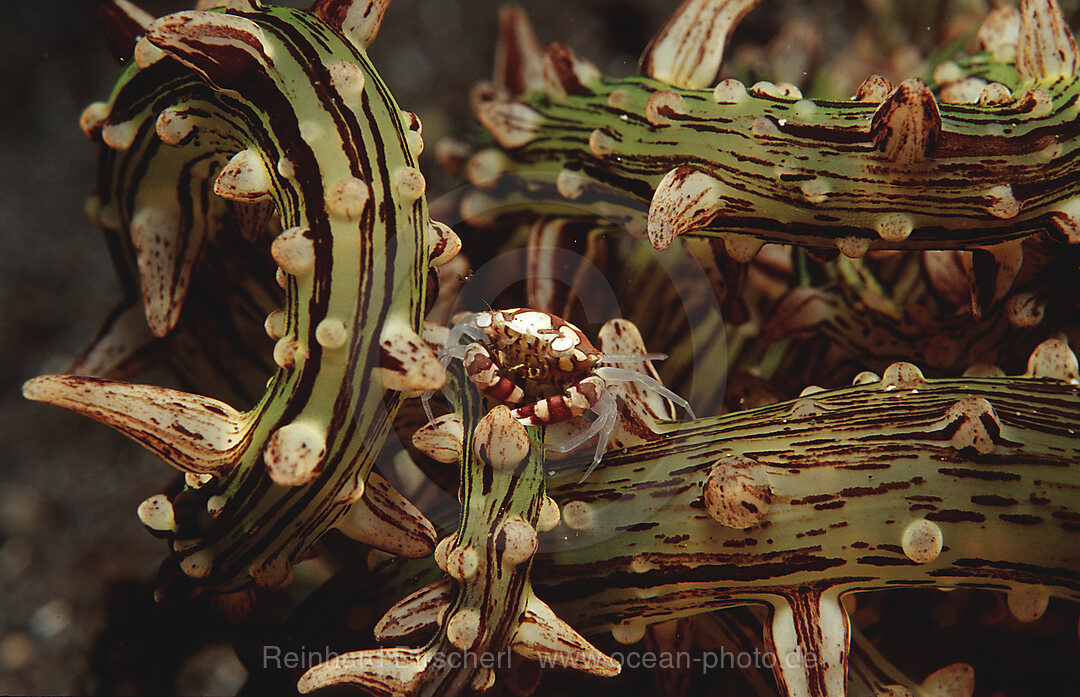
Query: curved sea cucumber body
[282, 106]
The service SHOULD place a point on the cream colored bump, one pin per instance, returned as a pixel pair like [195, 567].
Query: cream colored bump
[443, 243]
[478, 208]
[1027, 603]
[311, 131]
[244, 178]
[173, 125]
[737, 492]
[119, 136]
[601, 144]
[578, 515]
[811, 389]
[93, 117]
[742, 248]
[874, 89]
[294, 453]
[519, 538]
[902, 375]
[410, 183]
[286, 168]
[816, 190]
[182, 545]
[286, 352]
[765, 127]
[922, 541]
[661, 105]
[483, 680]
[853, 247]
[984, 370]
[966, 91]
[730, 92]
[500, 440]
[463, 628]
[347, 197]
[1038, 103]
[347, 79]
[272, 574]
[784, 90]
[282, 279]
[195, 480]
[275, 324]
[294, 251]
[1054, 359]
[956, 680]
[442, 550]
[216, 504]
[1001, 202]
[549, 515]
[485, 168]
[416, 143]
[947, 72]
[995, 94]
[628, 632]
[687, 199]
[156, 513]
[866, 377]
[620, 99]
[804, 107]
[197, 565]
[92, 209]
[441, 439]
[331, 333]
[1024, 310]
[146, 53]
[894, 227]
[570, 184]
[807, 408]
[463, 562]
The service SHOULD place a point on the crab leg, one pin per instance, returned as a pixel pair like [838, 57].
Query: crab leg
[486, 374]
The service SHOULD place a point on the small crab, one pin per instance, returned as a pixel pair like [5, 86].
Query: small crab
[520, 353]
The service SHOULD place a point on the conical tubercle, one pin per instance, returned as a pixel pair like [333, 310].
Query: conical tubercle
[165, 260]
[1045, 49]
[519, 66]
[360, 20]
[541, 635]
[192, 433]
[907, 126]
[386, 520]
[687, 199]
[689, 49]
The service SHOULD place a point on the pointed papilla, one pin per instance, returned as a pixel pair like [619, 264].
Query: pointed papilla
[541, 635]
[519, 66]
[122, 23]
[1046, 49]
[689, 49]
[191, 432]
[226, 50]
[687, 199]
[907, 126]
[359, 20]
[386, 520]
[407, 363]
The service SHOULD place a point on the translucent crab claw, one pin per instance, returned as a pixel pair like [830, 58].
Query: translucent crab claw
[610, 374]
[466, 326]
[607, 413]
